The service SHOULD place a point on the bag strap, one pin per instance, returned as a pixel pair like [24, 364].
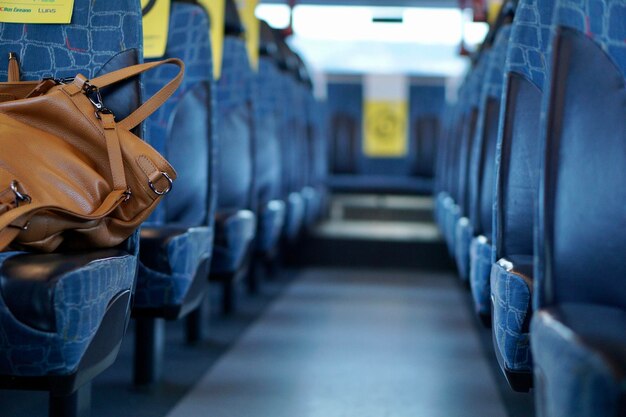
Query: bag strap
[150, 105]
[114, 152]
[16, 220]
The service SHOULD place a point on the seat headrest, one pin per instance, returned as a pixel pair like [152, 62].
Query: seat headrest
[267, 44]
[287, 61]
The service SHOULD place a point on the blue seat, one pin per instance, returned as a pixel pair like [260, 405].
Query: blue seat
[235, 222]
[578, 328]
[319, 154]
[459, 228]
[447, 165]
[271, 208]
[508, 295]
[177, 240]
[63, 315]
[306, 106]
[443, 166]
[482, 169]
[290, 140]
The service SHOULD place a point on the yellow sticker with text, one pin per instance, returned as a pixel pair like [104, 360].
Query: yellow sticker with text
[385, 130]
[156, 22]
[216, 10]
[36, 11]
[253, 29]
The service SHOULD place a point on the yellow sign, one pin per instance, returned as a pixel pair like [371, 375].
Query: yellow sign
[253, 29]
[156, 22]
[216, 10]
[493, 10]
[36, 11]
[385, 130]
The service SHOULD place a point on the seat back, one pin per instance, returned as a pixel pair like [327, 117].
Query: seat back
[517, 153]
[235, 169]
[288, 122]
[482, 158]
[267, 162]
[449, 169]
[182, 129]
[468, 130]
[103, 36]
[582, 221]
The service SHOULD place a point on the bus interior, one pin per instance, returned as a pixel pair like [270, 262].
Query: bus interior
[398, 208]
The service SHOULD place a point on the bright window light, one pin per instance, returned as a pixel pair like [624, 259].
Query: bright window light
[439, 26]
[345, 39]
[276, 15]
[475, 32]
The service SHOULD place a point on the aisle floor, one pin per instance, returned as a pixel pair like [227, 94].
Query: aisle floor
[350, 343]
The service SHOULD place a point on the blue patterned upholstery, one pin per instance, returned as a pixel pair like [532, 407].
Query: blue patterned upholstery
[481, 254]
[472, 135]
[295, 215]
[471, 114]
[288, 126]
[180, 130]
[233, 234]
[104, 35]
[267, 146]
[600, 20]
[272, 220]
[580, 348]
[531, 34]
[482, 166]
[511, 295]
[100, 30]
[80, 298]
[459, 158]
[577, 332]
[517, 179]
[235, 225]
[271, 210]
[181, 256]
[463, 238]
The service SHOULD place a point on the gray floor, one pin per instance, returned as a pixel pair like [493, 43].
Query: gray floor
[354, 344]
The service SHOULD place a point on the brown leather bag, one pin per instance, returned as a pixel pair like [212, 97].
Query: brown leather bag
[70, 174]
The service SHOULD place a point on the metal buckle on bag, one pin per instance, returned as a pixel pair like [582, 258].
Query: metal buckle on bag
[127, 195]
[169, 186]
[19, 196]
[93, 94]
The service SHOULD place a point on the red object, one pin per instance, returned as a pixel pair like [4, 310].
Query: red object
[480, 10]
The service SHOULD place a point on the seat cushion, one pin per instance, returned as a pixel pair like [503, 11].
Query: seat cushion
[463, 239]
[440, 208]
[234, 232]
[480, 268]
[575, 355]
[295, 215]
[453, 214]
[169, 260]
[311, 205]
[51, 306]
[271, 220]
[511, 297]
